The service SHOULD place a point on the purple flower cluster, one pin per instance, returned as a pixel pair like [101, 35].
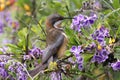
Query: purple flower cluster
[100, 56]
[9, 66]
[90, 47]
[1, 22]
[33, 53]
[100, 35]
[1, 27]
[101, 52]
[6, 19]
[116, 65]
[10, 22]
[3, 72]
[76, 52]
[82, 21]
[56, 76]
[16, 68]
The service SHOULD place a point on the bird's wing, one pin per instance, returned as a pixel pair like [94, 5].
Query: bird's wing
[52, 49]
[37, 70]
[48, 53]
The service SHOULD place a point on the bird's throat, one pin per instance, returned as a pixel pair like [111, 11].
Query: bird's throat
[58, 24]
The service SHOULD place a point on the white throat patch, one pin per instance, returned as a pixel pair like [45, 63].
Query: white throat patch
[57, 23]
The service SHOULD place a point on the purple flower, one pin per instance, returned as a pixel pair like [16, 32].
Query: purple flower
[3, 72]
[1, 26]
[80, 66]
[76, 51]
[116, 65]
[14, 24]
[71, 60]
[22, 76]
[93, 16]
[81, 21]
[100, 35]
[100, 56]
[104, 31]
[97, 5]
[35, 52]
[15, 67]
[79, 61]
[26, 57]
[2, 64]
[2, 14]
[90, 47]
[6, 19]
[97, 58]
[11, 68]
[91, 21]
[56, 76]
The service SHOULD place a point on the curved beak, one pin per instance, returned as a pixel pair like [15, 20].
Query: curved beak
[68, 18]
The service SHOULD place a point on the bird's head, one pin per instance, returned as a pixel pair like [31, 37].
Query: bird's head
[54, 21]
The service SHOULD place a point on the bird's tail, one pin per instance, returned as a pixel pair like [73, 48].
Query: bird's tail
[37, 70]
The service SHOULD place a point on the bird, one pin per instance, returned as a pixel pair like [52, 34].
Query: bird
[56, 42]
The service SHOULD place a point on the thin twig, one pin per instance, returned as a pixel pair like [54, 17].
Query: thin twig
[40, 25]
[27, 43]
[23, 67]
[66, 62]
[65, 58]
[22, 21]
[68, 10]
[37, 38]
[106, 16]
[110, 6]
[42, 40]
[11, 54]
[34, 8]
[26, 71]
[99, 75]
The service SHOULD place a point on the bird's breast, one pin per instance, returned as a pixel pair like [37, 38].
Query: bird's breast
[63, 47]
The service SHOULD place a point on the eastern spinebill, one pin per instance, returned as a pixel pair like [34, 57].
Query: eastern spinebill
[56, 42]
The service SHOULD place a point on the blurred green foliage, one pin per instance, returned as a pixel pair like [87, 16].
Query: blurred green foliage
[32, 28]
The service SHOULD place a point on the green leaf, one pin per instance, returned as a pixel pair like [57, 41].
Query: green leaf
[22, 33]
[35, 29]
[116, 75]
[67, 53]
[1, 52]
[87, 56]
[14, 48]
[116, 4]
[117, 52]
[73, 40]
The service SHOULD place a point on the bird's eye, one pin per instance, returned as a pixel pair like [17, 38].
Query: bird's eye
[58, 18]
